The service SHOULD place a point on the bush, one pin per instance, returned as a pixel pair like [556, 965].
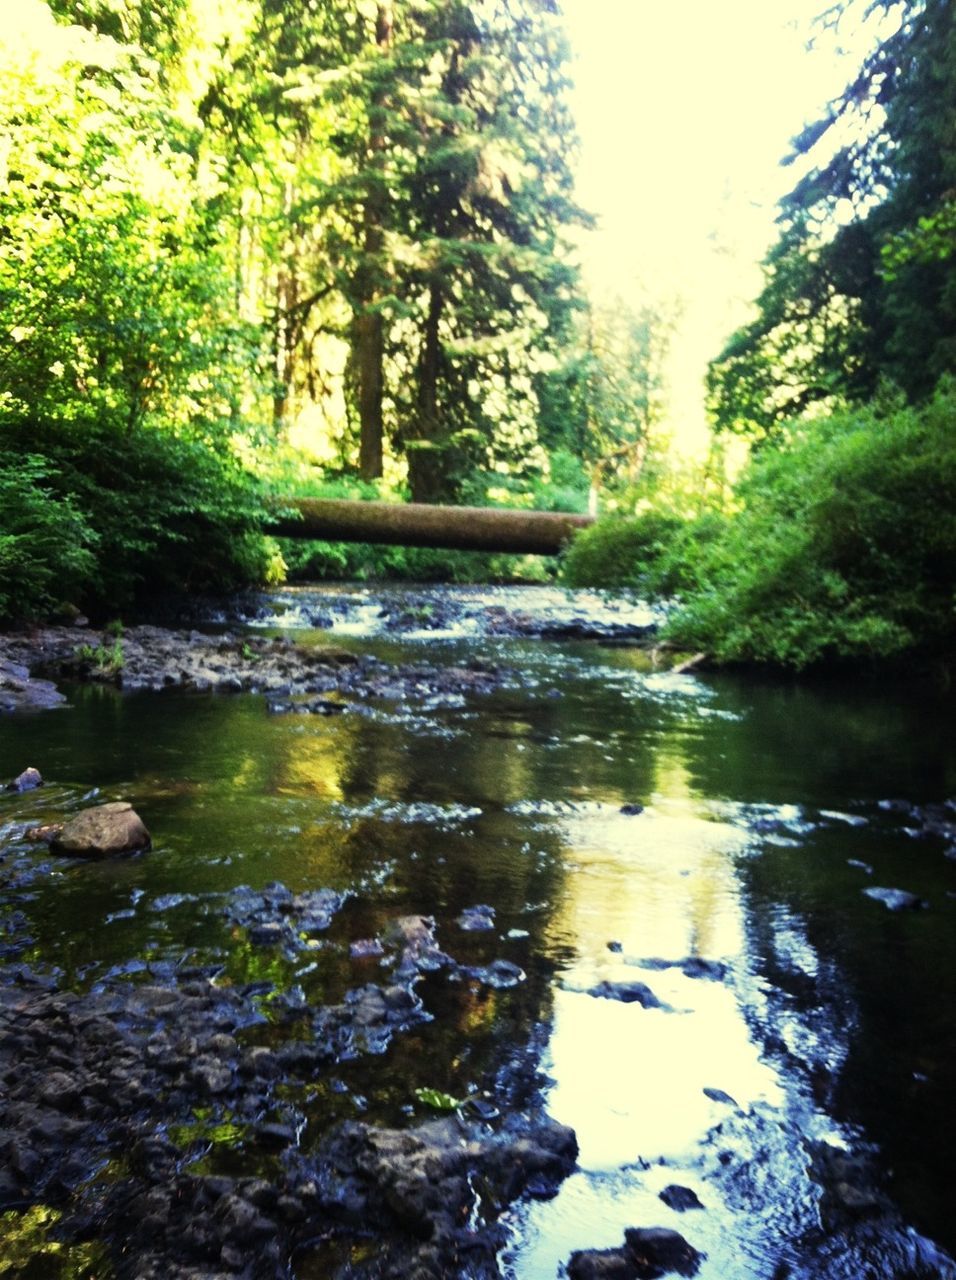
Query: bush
[46, 545]
[845, 546]
[111, 518]
[625, 551]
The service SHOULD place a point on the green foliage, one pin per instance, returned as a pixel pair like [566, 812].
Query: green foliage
[437, 1100]
[636, 552]
[845, 546]
[862, 282]
[162, 513]
[122, 360]
[46, 545]
[105, 658]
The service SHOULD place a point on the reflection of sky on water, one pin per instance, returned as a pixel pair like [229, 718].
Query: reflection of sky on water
[630, 1081]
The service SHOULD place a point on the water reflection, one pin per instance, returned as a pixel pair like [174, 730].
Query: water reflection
[832, 1015]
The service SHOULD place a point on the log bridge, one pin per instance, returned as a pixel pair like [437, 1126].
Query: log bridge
[418, 524]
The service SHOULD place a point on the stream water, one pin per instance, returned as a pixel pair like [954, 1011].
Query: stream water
[769, 807]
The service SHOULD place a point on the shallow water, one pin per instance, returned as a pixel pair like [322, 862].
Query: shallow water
[829, 1016]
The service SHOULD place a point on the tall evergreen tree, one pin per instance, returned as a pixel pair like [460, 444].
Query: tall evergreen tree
[861, 284]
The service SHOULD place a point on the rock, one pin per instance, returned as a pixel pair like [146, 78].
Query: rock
[477, 919]
[26, 781]
[103, 832]
[364, 948]
[896, 899]
[45, 834]
[632, 809]
[718, 1095]
[500, 974]
[656, 1249]
[680, 1198]
[646, 1254]
[19, 691]
[627, 993]
[600, 1264]
[698, 967]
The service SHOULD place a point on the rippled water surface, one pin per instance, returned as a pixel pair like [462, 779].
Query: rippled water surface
[821, 1015]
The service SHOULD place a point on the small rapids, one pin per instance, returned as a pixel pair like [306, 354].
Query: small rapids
[511, 942]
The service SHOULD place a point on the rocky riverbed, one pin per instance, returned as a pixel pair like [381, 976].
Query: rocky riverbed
[465, 947]
[102, 1091]
[322, 679]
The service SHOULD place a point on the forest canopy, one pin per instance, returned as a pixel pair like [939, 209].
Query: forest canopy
[317, 243]
[329, 249]
[839, 539]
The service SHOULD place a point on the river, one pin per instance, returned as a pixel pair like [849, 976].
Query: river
[797, 1014]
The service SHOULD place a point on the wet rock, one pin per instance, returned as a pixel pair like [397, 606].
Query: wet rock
[418, 1186]
[365, 948]
[103, 832]
[45, 834]
[627, 993]
[600, 1264]
[646, 1254]
[26, 781]
[500, 974]
[477, 919]
[419, 950]
[896, 899]
[268, 933]
[276, 1137]
[632, 809]
[680, 1198]
[690, 966]
[295, 678]
[849, 1181]
[19, 691]
[656, 1249]
[275, 917]
[718, 1095]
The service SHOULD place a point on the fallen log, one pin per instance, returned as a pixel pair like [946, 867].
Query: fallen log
[417, 524]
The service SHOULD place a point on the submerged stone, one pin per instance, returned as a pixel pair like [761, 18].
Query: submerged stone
[680, 1198]
[628, 993]
[896, 899]
[477, 919]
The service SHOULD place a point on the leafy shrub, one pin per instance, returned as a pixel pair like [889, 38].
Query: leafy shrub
[114, 518]
[845, 546]
[46, 545]
[623, 551]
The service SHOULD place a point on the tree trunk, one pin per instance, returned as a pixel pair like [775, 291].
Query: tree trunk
[427, 463]
[418, 525]
[369, 351]
[368, 335]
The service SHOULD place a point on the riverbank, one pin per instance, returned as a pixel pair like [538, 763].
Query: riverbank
[322, 677]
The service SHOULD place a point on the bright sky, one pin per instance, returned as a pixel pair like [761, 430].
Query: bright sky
[684, 111]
